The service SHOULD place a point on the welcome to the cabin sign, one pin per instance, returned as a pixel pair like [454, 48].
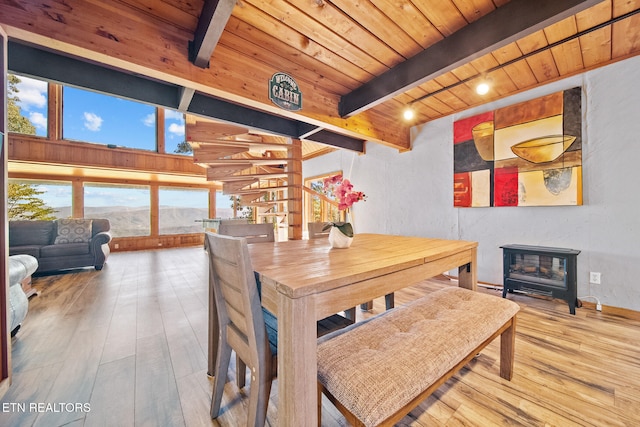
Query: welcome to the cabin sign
[284, 92]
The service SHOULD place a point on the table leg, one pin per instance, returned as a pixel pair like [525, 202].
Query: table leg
[367, 306]
[297, 362]
[467, 274]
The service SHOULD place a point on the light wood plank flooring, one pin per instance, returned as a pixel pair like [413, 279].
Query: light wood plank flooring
[129, 343]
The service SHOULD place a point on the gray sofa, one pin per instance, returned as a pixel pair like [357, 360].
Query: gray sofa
[63, 243]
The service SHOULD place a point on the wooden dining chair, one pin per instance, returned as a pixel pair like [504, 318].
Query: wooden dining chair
[244, 326]
[241, 324]
[254, 233]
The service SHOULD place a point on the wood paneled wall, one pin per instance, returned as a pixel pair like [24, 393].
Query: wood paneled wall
[27, 148]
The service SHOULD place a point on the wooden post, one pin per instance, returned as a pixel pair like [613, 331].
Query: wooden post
[155, 209]
[54, 112]
[160, 137]
[294, 177]
[212, 203]
[77, 198]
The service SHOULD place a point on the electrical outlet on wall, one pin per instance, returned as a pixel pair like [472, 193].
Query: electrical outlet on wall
[595, 278]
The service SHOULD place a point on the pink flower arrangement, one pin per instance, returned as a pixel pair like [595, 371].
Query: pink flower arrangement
[343, 190]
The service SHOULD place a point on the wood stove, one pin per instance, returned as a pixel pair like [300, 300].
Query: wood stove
[541, 270]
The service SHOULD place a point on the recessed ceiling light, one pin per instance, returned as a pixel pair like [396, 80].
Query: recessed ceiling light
[482, 88]
[408, 114]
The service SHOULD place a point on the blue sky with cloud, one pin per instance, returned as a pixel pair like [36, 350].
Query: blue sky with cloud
[33, 102]
[93, 117]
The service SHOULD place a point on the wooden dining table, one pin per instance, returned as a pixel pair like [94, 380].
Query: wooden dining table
[306, 280]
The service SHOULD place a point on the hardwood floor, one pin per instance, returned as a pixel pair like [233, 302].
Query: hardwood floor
[127, 346]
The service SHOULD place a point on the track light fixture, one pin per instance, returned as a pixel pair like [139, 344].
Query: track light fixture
[520, 58]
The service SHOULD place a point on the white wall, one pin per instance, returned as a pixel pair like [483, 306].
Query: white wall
[412, 193]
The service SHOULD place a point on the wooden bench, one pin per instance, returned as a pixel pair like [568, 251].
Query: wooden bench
[375, 372]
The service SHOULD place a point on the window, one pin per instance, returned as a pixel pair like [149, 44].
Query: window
[175, 139]
[180, 208]
[30, 199]
[224, 205]
[27, 105]
[127, 207]
[318, 209]
[93, 117]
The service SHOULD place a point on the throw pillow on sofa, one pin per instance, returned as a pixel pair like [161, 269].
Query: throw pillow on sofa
[73, 231]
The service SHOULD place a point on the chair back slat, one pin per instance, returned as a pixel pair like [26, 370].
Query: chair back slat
[254, 233]
[234, 304]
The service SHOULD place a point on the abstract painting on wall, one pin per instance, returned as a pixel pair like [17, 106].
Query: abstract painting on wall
[527, 154]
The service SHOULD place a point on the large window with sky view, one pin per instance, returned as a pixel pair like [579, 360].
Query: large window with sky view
[97, 118]
[104, 119]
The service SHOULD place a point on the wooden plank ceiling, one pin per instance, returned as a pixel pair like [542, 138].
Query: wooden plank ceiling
[358, 63]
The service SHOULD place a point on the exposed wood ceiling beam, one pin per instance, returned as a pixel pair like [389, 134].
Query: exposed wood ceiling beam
[208, 106]
[27, 60]
[186, 95]
[506, 24]
[213, 19]
[326, 137]
[62, 69]
[319, 134]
